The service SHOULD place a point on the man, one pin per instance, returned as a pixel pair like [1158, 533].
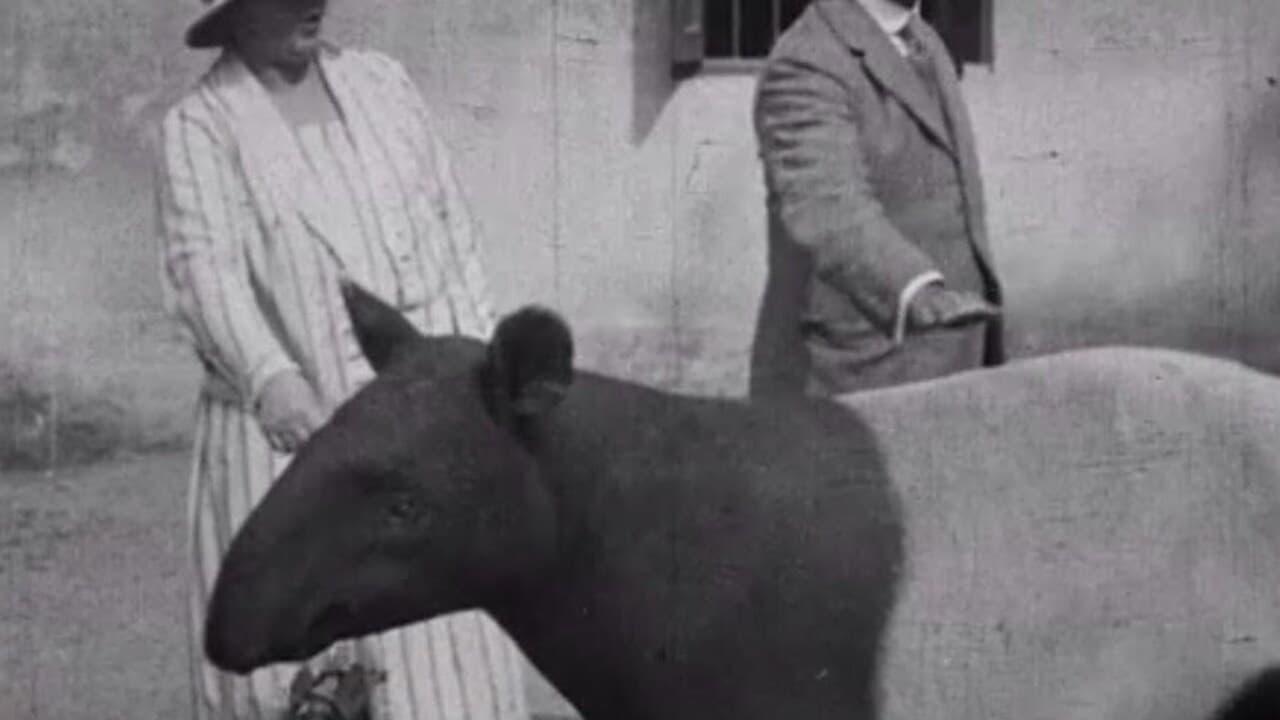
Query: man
[880, 272]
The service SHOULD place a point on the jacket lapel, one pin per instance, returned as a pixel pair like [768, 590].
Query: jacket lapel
[961, 130]
[883, 62]
[352, 94]
[274, 165]
[402, 165]
[374, 126]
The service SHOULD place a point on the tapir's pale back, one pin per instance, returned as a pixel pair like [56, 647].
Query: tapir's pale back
[1091, 536]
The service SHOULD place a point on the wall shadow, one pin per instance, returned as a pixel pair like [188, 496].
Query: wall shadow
[652, 81]
[779, 361]
[1259, 156]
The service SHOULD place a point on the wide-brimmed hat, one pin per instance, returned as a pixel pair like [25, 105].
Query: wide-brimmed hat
[208, 30]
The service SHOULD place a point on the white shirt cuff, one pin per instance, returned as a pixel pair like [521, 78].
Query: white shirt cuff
[904, 301]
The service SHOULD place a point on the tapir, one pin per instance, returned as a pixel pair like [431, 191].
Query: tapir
[1092, 535]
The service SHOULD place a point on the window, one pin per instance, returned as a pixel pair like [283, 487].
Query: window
[732, 31]
[743, 29]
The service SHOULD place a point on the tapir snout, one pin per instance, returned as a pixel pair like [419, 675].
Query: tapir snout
[414, 499]
[263, 612]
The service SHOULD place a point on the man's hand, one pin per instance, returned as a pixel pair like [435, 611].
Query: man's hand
[937, 307]
[289, 411]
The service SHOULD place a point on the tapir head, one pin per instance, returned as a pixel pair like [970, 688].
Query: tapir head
[419, 497]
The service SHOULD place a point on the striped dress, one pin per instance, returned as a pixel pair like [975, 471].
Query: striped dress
[258, 220]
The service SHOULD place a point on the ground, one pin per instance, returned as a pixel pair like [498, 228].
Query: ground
[91, 598]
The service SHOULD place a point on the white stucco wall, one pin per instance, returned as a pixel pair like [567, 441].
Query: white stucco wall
[1130, 149]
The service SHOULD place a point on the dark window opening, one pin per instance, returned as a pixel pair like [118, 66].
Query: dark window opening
[737, 30]
[743, 29]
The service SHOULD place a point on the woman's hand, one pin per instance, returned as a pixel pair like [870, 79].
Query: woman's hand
[289, 411]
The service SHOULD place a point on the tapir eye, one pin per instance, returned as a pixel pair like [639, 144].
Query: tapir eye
[408, 510]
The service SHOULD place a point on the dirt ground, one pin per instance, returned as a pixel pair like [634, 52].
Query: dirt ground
[91, 599]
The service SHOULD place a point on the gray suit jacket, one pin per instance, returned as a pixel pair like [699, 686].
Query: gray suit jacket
[872, 174]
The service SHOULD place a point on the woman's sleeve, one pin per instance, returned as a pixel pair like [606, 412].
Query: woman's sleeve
[205, 275]
[471, 301]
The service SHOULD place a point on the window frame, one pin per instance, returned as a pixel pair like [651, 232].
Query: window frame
[969, 44]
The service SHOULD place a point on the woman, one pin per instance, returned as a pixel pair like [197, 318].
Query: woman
[291, 164]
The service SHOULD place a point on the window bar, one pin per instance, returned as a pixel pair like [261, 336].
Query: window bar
[777, 21]
[736, 21]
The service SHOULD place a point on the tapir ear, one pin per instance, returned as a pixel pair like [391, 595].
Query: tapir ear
[530, 362]
[381, 330]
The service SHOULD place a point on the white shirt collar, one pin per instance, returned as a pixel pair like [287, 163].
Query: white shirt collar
[890, 16]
